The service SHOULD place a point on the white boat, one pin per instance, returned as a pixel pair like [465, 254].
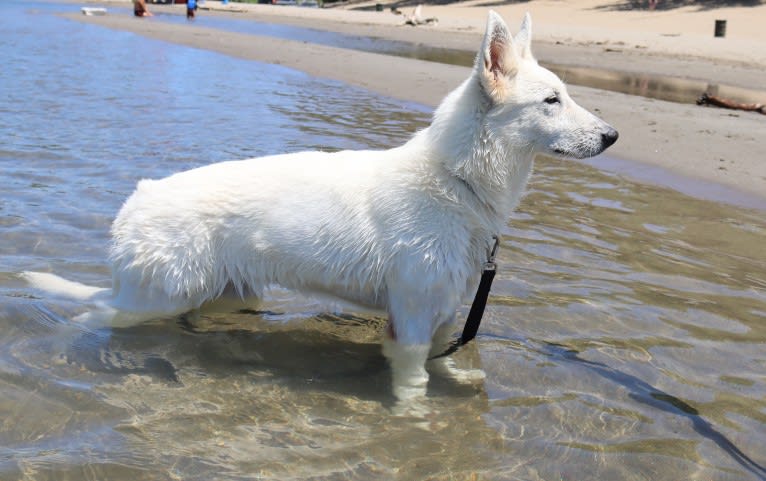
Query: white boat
[93, 11]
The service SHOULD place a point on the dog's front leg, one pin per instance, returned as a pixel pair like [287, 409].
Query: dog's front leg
[407, 361]
[445, 365]
[414, 316]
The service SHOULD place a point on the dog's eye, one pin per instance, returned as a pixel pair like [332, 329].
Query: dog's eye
[553, 99]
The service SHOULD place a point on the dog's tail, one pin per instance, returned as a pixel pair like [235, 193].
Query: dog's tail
[102, 311]
[59, 286]
[103, 307]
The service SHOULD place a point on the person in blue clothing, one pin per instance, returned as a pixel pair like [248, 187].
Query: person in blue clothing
[191, 7]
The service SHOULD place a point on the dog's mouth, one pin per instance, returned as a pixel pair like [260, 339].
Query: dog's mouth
[568, 154]
[582, 153]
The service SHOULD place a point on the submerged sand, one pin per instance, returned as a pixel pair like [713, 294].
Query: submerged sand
[721, 146]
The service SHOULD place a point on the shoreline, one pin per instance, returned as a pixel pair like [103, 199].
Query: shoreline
[711, 145]
[633, 41]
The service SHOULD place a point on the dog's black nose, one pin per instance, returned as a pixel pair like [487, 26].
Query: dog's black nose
[609, 137]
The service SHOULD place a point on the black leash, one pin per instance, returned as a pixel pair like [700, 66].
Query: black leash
[479, 303]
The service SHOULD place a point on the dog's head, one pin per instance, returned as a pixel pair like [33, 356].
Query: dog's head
[529, 105]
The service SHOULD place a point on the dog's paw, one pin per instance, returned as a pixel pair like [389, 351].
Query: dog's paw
[446, 367]
[408, 393]
[413, 407]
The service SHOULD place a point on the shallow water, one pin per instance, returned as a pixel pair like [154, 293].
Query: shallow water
[625, 337]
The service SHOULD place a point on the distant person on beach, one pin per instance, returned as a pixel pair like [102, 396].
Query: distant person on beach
[140, 10]
[652, 4]
[191, 7]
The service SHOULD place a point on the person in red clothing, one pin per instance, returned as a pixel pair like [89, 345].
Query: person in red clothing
[140, 10]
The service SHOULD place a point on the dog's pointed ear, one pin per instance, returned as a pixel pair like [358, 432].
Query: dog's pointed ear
[497, 60]
[523, 39]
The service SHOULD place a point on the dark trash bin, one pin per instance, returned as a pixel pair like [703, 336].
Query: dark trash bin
[720, 28]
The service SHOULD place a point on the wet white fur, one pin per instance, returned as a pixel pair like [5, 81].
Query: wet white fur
[404, 230]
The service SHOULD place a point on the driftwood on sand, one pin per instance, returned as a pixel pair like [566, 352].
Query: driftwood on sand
[707, 99]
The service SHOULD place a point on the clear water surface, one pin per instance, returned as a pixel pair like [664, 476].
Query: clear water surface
[625, 337]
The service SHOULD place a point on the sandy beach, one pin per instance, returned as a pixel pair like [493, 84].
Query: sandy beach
[723, 147]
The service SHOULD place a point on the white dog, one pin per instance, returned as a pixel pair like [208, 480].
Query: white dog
[405, 230]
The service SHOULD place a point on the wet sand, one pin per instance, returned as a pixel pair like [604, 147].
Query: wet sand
[720, 146]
